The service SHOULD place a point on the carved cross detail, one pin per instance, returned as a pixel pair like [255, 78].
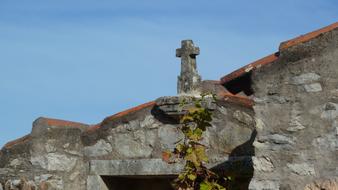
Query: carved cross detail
[189, 78]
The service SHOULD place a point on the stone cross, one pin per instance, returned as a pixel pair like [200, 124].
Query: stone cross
[189, 78]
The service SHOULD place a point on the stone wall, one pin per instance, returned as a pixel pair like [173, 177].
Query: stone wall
[51, 157]
[65, 155]
[296, 104]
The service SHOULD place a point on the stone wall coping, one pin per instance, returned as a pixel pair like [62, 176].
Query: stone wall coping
[307, 37]
[236, 99]
[92, 128]
[273, 57]
[20, 140]
[133, 167]
[248, 68]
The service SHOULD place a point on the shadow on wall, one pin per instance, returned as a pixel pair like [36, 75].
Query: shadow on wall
[139, 182]
[239, 166]
[164, 117]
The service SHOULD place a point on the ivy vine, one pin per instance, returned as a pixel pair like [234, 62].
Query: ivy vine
[195, 175]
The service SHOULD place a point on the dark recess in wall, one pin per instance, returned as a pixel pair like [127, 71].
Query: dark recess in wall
[240, 84]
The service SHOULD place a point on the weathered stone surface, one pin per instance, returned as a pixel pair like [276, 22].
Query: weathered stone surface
[134, 167]
[15, 163]
[168, 136]
[305, 78]
[44, 177]
[303, 169]
[189, 79]
[4, 171]
[295, 120]
[334, 95]
[99, 149]
[330, 111]
[326, 142]
[127, 146]
[335, 127]
[49, 181]
[50, 146]
[18, 184]
[263, 185]
[29, 185]
[54, 162]
[323, 184]
[243, 117]
[56, 184]
[230, 140]
[179, 105]
[149, 122]
[295, 126]
[263, 164]
[276, 139]
[259, 124]
[315, 87]
[95, 182]
[304, 145]
[65, 146]
[74, 175]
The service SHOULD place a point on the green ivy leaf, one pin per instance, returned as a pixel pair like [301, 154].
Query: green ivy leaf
[193, 158]
[179, 148]
[200, 152]
[205, 185]
[192, 177]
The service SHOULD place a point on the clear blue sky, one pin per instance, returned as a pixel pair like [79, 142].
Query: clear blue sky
[85, 60]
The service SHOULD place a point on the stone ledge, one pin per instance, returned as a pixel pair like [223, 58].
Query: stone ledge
[133, 167]
[172, 105]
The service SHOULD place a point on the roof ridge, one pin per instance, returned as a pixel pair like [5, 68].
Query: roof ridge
[251, 66]
[61, 123]
[20, 140]
[121, 114]
[273, 57]
[237, 99]
[308, 36]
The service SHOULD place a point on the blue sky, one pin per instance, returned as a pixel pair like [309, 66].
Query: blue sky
[85, 60]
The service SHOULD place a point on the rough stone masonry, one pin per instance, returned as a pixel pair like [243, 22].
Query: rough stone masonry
[189, 79]
[275, 127]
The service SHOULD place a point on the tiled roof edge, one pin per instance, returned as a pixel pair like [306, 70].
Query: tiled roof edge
[307, 37]
[252, 66]
[236, 99]
[62, 123]
[273, 57]
[20, 140]
[121, 114]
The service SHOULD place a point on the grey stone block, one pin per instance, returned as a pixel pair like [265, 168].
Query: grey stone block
[315, 87]
[263, 185]
[95, 182]
[134, 167]
[99, 149]
[303, 169]
[305, 78]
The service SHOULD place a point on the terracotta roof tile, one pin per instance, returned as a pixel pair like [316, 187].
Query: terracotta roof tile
[131, 110]
[254, 65]
[307, 37]
[273, 57]
[93, 127]
[121, 114]
[237, 99]
[21, 140]
[63, 123]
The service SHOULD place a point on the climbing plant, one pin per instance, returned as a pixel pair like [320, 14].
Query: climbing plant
[195, 175]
